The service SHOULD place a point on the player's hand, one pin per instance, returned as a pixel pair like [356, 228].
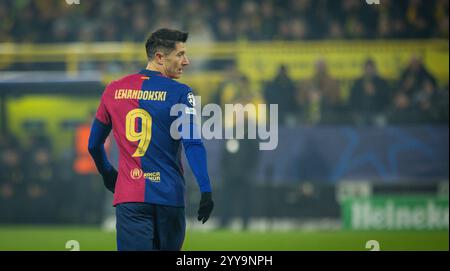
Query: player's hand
[206, 207]
[110, 179]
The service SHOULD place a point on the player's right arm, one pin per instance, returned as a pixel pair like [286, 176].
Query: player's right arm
[101, 127]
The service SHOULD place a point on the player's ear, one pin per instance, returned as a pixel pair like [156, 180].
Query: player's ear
[159, 57]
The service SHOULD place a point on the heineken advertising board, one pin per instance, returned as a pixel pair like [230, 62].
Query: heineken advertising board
[395, 213]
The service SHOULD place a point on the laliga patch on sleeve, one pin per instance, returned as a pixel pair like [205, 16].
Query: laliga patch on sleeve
[190, 111]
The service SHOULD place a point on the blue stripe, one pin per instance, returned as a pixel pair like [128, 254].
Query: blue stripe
[161, 155]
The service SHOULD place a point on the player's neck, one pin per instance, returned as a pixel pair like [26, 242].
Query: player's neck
[153, 67]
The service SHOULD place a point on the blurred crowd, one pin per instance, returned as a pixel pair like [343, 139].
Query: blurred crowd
[36, 186]
[47, 21]
[370, 100]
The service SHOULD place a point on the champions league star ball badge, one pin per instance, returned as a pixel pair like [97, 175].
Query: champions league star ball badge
[190, 98]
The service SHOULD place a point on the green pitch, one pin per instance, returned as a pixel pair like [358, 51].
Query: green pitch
[90, 238]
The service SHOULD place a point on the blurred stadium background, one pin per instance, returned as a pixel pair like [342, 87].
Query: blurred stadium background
[363, 110]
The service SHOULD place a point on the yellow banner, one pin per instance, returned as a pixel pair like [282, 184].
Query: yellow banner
[344, 59]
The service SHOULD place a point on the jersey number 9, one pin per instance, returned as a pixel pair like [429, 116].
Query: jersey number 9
[145, 135]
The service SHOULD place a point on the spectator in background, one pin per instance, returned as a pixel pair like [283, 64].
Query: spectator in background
[239, 153]
[242, 153]
[225, 30]
[392, 12]
[369, 96]
[310, 101]
[222, 9]
[413, 77]
[335, 30]
[316, 16]
[299, 30]
[301, 15]
[320, 98]
[443, 104]
[249, 21]
[229, 88]
[249, 95]
[61, 31]
[11, 181]
[391, 23]
[281, 91]
[40, 176]
[200, 33]
[402, 112]
[430, 102]
[329, 87]
[440, 17]
[424, 100]
[419, 18]
[88, 182]
[222, 19]
[268, 20]
[6, 25]
[399, 28]
[283, 30]
[139, 24]
[11, 166]
[355, 29]
[352, 16]
[443, 28]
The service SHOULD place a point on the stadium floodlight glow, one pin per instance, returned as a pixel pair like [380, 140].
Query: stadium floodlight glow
[233, 127]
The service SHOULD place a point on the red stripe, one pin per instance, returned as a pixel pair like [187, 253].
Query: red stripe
[128, 188]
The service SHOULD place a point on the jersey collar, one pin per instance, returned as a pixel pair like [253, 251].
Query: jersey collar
[150, 73]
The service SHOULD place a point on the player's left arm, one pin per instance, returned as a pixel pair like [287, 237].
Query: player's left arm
[196, 155]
